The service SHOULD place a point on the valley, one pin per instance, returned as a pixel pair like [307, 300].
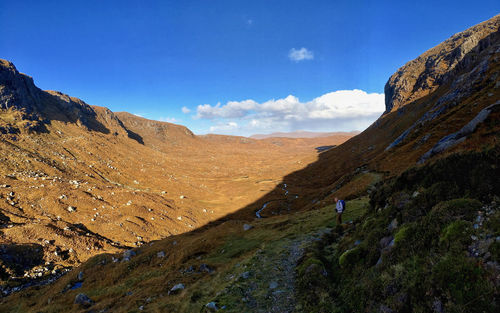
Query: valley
[141, 215]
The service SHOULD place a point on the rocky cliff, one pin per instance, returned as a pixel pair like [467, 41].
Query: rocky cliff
[438, 65]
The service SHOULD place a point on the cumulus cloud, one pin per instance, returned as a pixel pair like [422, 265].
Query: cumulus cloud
[342, 110]
[230, 126]
[301, 54]
[185, 110]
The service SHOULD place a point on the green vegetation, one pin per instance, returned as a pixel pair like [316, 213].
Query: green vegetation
[423, 246]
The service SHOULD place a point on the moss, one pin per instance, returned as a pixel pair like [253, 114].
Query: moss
[463, 285]
[403, 235]
[456, 236]
[462, 208]
[494, 249]
[351, 257]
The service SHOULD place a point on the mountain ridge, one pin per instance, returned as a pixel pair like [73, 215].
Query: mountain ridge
[302, 134]
[237, 262]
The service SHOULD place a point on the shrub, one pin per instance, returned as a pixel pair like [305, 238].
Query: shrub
[351, 257]
[456, 236]
[462, 283]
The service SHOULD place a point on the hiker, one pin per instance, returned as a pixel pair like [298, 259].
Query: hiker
[340, 207]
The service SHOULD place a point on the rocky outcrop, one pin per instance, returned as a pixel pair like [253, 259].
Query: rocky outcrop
[439, 65]
[459, 136]
[17, 90]
[32, 108]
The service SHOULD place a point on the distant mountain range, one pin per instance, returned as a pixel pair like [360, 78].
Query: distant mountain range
[303, 134]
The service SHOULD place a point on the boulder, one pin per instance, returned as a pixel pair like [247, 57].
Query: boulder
[177, 288]
[212, 306]
[83, 300]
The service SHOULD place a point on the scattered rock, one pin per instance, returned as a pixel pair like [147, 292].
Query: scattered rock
[247, 227]
[212, 306]
[83, 300]
[385, 309]
[273, 285]
[71, 209]
[176, 288]
[80, 276]
[437, 306]
[245, 275]
[384, 242]
[393, 225]
[160, 254]
[127, 255]
[205, 268]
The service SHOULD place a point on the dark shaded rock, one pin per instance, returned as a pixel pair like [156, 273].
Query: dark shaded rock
[83, 300]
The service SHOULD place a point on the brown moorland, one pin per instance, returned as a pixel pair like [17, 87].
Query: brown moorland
[453, 106]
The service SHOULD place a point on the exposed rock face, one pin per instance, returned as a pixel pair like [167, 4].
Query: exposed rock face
[438, 65]
[17, 90]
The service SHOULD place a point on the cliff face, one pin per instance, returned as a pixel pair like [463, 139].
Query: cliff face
[438, 66]
[17, 90]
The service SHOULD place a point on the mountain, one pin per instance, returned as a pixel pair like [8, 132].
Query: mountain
[78, 180]
[421, 231]
[303, 134]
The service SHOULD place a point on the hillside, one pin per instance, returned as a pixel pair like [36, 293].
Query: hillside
[421, 231]
[303, 134]
[79, 180]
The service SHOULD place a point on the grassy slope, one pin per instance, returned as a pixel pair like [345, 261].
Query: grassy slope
[226, 248]
[445, 227]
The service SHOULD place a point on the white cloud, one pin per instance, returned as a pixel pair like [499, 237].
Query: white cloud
[341, 110]
[233, 109]
[185, 110]
[300, 54]
[230, 126]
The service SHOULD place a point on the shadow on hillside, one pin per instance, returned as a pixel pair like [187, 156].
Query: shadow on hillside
[17, 258]
[305, 188]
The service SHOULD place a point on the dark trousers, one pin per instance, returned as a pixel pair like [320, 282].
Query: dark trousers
[339, 218]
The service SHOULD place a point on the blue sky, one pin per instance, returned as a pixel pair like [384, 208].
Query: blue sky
[236, 67]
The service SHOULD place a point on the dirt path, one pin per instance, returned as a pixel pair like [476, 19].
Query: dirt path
[266, 282]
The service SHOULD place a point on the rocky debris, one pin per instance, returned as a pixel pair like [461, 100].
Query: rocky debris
[160, 254]
[204, 268]
[247, 227]
[127, 255]
[83, 300]
[71, 209]
[386, 241]
[481, 240]
[245, 275]
[273, 285]
[393, 225]
[177, 288]
[459, 136]
[212, 306]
